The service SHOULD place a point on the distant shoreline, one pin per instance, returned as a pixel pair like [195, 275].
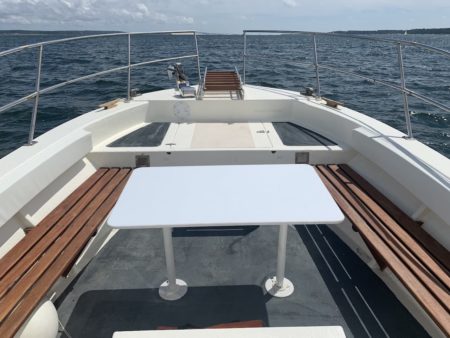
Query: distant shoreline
[400, 31]
[93, 32]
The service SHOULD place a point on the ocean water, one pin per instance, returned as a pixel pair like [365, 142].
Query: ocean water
[275, 61]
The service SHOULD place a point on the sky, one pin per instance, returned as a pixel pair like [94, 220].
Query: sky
[223, 16]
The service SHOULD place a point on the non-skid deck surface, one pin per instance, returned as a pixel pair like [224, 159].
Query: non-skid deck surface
[222, 135]
[292, 134]
[225, 269]
[151, 135]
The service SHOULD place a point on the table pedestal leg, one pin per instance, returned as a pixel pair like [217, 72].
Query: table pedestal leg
[172, 288]
[279, 286]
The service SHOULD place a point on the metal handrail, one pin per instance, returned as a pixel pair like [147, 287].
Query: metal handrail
[38, 91]
[241, 92]
[355, 36]
[112, 70]
[390, 85]
[399, 43]
[201, 86]
[410, 92]
[83, 37]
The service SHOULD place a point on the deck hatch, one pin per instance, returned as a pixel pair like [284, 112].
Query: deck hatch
[151, 135]
[292, 134]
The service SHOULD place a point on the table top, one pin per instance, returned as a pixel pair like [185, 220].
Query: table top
[224, 195]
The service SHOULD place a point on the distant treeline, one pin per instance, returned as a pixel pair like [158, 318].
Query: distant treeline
[398, 31]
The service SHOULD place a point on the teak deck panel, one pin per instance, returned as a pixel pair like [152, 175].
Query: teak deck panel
[32, 267]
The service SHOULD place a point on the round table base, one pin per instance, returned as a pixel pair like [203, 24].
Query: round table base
[286, 290]
[173, 292]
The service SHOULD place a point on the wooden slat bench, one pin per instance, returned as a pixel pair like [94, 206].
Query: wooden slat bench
[222, 81]
[396, 241]
[34, 264]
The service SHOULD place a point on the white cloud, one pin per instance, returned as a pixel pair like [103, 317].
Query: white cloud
[14, 19]
[67, 3]
[219, 15]
[143, 8]
[80, 12]
[185, 19]
[290, 3]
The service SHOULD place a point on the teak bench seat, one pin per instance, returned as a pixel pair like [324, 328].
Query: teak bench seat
[48, 251]
[222, 81]
[396, 241]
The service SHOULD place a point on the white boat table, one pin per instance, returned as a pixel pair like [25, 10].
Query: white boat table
[167, 197]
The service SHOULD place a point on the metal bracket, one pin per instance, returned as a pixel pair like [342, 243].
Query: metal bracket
[301, 158]
[142, 160]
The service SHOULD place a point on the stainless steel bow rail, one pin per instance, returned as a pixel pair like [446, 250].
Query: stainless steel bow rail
[400, 51]
[40, 46]
[317, 66]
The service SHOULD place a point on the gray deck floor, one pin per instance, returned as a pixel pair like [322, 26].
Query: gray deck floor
[225, 270]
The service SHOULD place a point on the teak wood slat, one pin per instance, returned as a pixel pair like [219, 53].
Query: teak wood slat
[36, 233]
[398, 231]
[407, 258]
[58, 246]
[412, 226]
[220, 75]
[19, 302]
[233, 84]
[52, 235]
[222, 81]
[226, 77]
[221, 88]
[397, 247]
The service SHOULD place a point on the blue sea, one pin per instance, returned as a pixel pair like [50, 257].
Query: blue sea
[282, 61]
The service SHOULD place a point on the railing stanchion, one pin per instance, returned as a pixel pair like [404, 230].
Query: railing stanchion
[36, 98]
[405, 94]
[244, 56]
[129, 69]
[316, 65]
[198, 61]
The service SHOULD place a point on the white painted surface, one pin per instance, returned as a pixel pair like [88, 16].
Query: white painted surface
[428, 184]
[27, 171]
[279, 286]
[172, 288]
[10, 234]
[265, 332]
[228, 135]
[224, 195]
[28, 178]
[43, 323]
